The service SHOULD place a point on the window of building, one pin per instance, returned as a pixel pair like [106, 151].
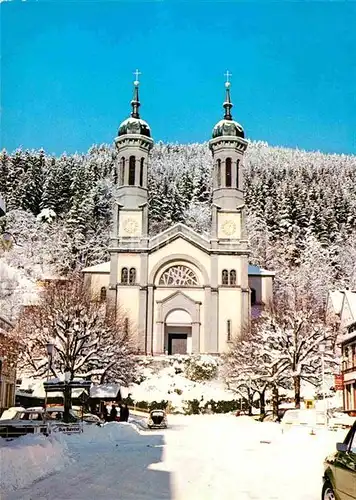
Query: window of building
[102, 294]
[124, 275]
[237, 174]
[233, 277]
[141, 171]
[218, 173]
[179, 275]
[132, 277]
[253, 296]
[122, 171]
[115, 175]
[228, 172]
[225, 277]
[132, 168]
[228, 329]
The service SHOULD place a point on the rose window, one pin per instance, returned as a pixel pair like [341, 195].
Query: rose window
[179, 276]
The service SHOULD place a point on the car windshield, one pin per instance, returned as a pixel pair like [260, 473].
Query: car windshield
[353, 444]
[26, 415]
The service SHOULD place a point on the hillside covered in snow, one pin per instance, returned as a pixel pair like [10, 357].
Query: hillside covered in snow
[301, 209]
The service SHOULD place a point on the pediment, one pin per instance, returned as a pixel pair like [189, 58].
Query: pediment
[179, 231]
[178, 295]
[175, 301]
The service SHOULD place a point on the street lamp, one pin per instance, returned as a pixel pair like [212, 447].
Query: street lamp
[49, 348]
[322, 353]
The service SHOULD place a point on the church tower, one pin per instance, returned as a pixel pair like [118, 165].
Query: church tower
[228, 147]
[130, 213]
[228, 238]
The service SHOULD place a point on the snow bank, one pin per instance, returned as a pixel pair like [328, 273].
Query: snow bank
[30, 458]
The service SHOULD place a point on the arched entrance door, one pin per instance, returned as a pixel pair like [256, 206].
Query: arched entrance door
[178, 332]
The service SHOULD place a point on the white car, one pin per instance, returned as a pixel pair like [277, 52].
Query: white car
[11, 412]
[341, 420]
[311, 419]
[36, 420]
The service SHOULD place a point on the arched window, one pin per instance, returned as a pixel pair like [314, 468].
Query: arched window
[115, 175]
[228, 330]
[225, 277]
[132, 168]
[179, 276]
[228, 172]
[132, 277]
[141, 171]
[218, 173]
[233, 277]
[253, 296]
[102, 294]
[237, 174]
[122, 171]
[124, 275]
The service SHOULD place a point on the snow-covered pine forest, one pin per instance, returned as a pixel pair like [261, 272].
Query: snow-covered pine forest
[301, 208]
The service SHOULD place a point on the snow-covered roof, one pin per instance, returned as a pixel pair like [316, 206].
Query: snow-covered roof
[335, 299]
[258, 271]
[348, 309]
[36, 386]
[104, 267]
[104, 391]
[351, 300]
[2, 205]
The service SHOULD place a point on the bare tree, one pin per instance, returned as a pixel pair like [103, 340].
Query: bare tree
[292, 333]
[89, 342]
[251, 368]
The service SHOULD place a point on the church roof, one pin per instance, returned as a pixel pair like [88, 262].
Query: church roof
[258, 271]
[103, 268]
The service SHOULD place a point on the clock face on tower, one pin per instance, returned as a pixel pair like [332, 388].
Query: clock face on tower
[130, 226]
[228, 227]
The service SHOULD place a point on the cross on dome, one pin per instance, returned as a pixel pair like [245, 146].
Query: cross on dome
[228, 74]
[137, 73]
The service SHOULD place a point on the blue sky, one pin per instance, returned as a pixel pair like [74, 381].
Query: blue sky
[67, 71]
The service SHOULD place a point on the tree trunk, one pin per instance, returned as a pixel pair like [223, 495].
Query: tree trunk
[250, 402]
[297, 391]
[262, 404]
[67, 396]
[275, 400]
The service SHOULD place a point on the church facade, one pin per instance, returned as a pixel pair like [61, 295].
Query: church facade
[180, 291]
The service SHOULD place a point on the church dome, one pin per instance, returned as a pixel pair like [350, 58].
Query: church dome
[134, 126]
[229, 128]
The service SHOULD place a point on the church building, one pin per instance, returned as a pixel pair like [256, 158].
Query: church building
[180, 291]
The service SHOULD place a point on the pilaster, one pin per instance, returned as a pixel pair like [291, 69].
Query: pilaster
[150, 312]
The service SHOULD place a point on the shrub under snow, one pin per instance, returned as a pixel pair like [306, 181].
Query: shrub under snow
[201, 367]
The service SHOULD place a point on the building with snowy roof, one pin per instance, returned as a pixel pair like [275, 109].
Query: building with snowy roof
[182, 292]
[2, 206]
[342, 303]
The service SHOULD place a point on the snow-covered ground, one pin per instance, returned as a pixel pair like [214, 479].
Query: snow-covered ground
[199, 457]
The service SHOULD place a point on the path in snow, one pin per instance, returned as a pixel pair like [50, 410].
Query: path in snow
[197, 458]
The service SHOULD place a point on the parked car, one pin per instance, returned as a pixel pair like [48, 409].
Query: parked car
[157, 420]
[36, 420]
[339, 419]
[11, 412]
[339, 480]
[311, 419]
[23, 422]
